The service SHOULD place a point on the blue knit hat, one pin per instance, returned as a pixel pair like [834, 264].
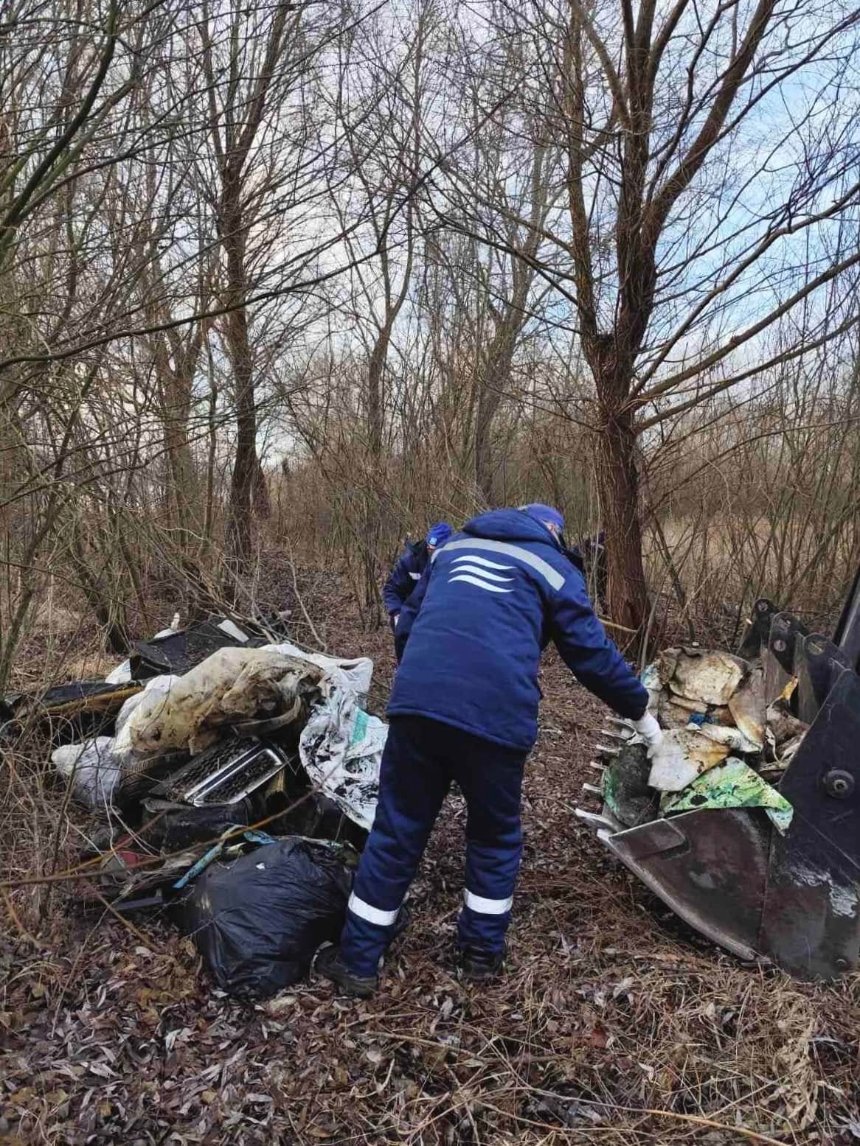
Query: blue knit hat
[438, 533]
[545, 514]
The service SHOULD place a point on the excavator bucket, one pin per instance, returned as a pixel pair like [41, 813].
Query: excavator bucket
[759, 852]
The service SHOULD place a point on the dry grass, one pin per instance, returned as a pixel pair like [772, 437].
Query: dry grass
[613, 1026]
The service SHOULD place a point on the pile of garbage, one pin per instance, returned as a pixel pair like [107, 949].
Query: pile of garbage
[743, 821]
[723, 745]
[233, 782]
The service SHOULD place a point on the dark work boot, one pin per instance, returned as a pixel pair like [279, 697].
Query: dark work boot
[330, 965]
[474, 966]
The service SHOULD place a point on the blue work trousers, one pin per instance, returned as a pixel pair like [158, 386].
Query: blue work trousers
[420, 760]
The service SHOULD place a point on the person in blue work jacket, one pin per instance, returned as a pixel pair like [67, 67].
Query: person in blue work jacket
[464, 707]
[408, 568]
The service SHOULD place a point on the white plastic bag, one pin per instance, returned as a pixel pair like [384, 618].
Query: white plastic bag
[91, 768]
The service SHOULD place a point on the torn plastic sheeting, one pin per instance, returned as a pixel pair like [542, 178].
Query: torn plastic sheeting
[651, 679]
[123, 746]
[232, 684]
[681, 756]
[732, 738]
[782, 724]
[341, 749]
[674, 715]
[341, 746]
[347, 675]
[120, 675]
[732, 785]
[157, 684]
[709, 677]
[94, 768]
[747, 707]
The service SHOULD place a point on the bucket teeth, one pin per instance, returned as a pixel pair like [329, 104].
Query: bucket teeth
[620, 723]
[613, 736]
[599, 822]
[592, 790]
[618, 739]
[595, 767]
[608, 750]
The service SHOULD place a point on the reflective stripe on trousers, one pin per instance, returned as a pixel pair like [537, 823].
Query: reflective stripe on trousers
[420, 760]
[372, 914]
[485, 906]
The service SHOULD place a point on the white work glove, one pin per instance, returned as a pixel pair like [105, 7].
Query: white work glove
[650, 731]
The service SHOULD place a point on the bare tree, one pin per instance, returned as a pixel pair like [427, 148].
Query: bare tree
[694, 231]
[243, 60]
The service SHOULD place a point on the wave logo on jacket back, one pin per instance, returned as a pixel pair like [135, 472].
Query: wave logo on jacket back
[483, 574]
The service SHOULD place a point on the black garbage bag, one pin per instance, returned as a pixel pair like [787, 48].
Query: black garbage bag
[172, 827]
[258, 920]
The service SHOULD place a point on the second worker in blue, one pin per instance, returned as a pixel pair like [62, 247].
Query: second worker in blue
[408, 568]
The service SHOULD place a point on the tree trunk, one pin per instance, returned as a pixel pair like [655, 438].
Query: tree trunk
[181, 492]
[245, 465]
[489, 397]
[261, 499]
[618, 483]
[493, 384]
[484, 467]
[245, 477]
[375, 372]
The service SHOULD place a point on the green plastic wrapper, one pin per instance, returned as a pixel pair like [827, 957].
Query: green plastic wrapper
[732, 785]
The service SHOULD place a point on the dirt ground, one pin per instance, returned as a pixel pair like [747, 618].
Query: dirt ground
[614, 1025]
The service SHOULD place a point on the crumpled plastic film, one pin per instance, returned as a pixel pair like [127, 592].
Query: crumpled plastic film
[732, 785]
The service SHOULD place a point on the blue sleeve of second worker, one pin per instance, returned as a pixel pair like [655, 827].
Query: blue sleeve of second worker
[398, 584]
[589, 653]
[409, 612]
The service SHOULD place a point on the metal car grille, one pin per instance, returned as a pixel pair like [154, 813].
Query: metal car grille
[224, 773]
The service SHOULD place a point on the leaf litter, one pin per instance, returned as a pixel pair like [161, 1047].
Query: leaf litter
[614, 1024]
